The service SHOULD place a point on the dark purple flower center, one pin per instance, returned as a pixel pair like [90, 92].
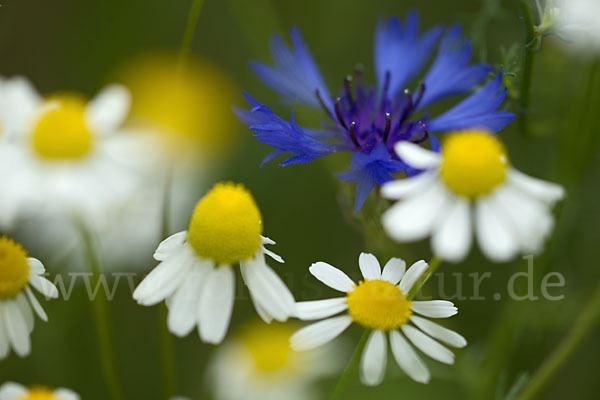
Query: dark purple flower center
[367, 118]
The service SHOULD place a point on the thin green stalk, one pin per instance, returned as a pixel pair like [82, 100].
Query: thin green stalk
[351, 371]
[190, 29]
[101, 315]
[586, 321]
[167, 357]
[526, 67]
[433, 266]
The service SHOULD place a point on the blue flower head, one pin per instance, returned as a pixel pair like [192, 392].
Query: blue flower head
[368, 120]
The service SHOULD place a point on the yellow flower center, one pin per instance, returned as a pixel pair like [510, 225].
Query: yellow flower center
[39, 393]
[473, 164]
[268, 345]
[378, 304]
[14, 268]
[226, 224]
[61, 131]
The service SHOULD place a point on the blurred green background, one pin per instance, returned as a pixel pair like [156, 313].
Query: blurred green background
[78, 45]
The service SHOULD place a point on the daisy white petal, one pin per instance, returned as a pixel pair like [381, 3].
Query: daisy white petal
[544, 191]
[416, 156]
[35, 304]
[18, 103]
[394, 270]
[404, 188]
[434, 308]
[414, 218]
[317, 309]
[216, 304]
[494, 233]
[162, 281]
[374, 359]
[170, 246]
[529, 219]
[452, 239]
[182, 308]
[66, 394]
[4, 341]
[319, 333]
[267, 288]
[427, 345]
[36, 266]
[26, 311]
[107, 111]
[408, 359]
[16, 327]
[437, 331]
[331, 276]
[412, 275]
[12, 391]
[44, 286]
[369, 266]
[273, 255]
[262, 313]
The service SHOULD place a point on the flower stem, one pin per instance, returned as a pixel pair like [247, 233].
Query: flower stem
[586, 321]
[431, 268]
[526, 67]
[101, 315]
[351, 370]
[190, 29]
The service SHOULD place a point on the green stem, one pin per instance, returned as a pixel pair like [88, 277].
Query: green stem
[101, 315]
[351, 371]
[586, 321]
[526, 67]
[431, 268]
[190, 29]
[167, 357]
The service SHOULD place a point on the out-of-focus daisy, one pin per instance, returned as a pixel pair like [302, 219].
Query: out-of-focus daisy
[196, 274]
[15, 391]
[62, 154]
[367, 121]
[578, 23]
[259, 363]
[189, 106]
[470, 186]
[18, 274]
[380, 302]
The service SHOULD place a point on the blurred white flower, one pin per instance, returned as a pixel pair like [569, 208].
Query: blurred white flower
[63, 156]
[18, 273]
[379, 302]
[578, 24]
[15, 391]
[259, 364]
[469, 186]
[196, 275]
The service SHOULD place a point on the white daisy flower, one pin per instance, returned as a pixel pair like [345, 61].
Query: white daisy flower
[380, 302]
[62, 154]
[469, 187]
[196, 274]
[18, 274]
[14, 391]
[258, 363]
[578, 23]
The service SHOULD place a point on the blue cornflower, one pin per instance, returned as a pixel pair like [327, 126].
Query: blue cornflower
[367, 120]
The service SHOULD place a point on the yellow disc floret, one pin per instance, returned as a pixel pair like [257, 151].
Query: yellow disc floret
[61, 131]
[226, 225]
[378, 304]
[14, 268]
[473, 164]
[39, 393]
[268, 345]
